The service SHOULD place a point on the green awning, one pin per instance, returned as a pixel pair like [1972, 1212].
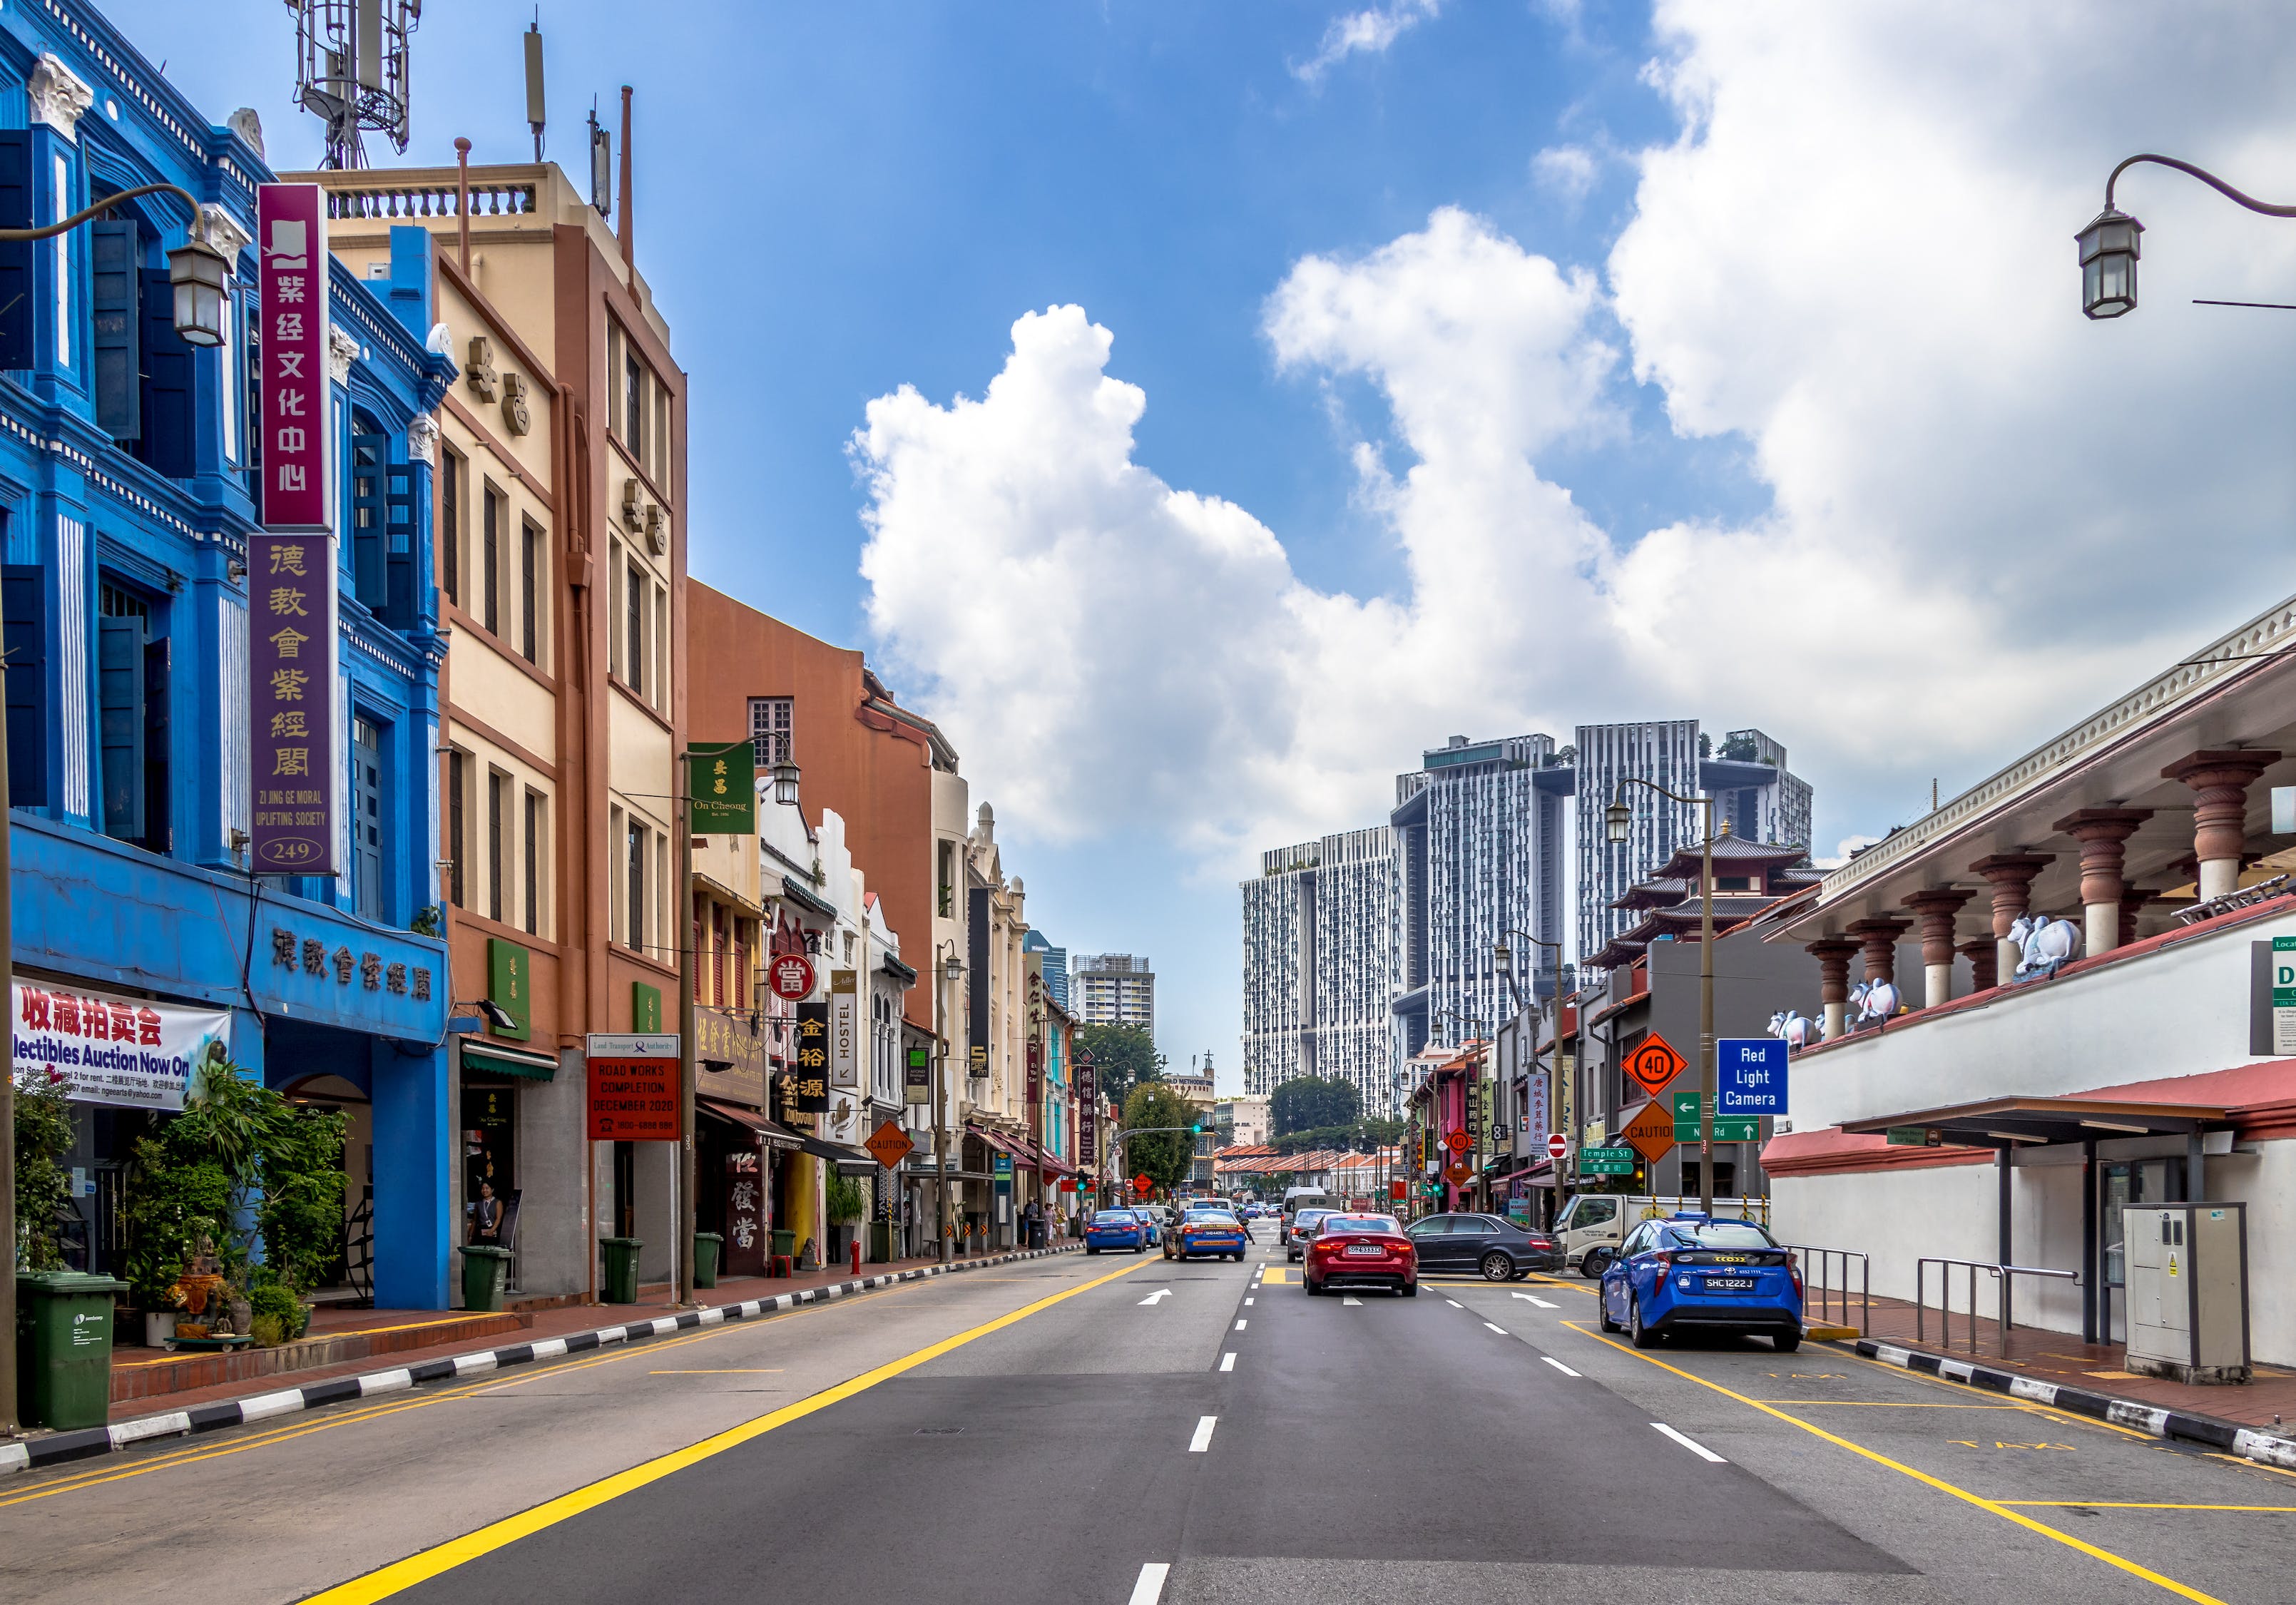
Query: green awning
[505, 1061]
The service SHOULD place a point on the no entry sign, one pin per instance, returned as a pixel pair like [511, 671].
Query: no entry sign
[1557, 1145]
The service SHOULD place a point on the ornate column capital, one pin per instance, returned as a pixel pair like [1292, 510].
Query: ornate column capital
[2010, 876]
[1832, 955]
[422, 439]
[1878, 936]
[342, 351]
[2219, 778]
[59, 96]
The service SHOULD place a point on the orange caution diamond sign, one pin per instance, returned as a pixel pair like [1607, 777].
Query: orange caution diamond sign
[1654, 1063]
[1458, 1141]
[1459, 1175]
[888, 1145]
[1651, 1132]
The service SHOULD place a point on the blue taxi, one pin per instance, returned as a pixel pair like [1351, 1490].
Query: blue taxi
[1214, 1231]
[1693, 1271]
[1115, 1229]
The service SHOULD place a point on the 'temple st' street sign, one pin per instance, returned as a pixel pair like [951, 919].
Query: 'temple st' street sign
[1606, 1161]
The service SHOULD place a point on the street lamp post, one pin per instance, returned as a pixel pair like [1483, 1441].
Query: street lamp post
[1618, 819]
[951, 971]
[197, 272]
[2111, 244]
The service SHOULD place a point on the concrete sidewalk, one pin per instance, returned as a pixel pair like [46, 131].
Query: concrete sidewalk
[148, 1384]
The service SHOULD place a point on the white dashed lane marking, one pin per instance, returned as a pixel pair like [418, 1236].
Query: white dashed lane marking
[1203, 1438]
[1695, 1447]
[1558, 1365]
[1227, 1363]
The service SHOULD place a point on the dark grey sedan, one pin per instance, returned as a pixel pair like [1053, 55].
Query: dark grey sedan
[1489, 1245]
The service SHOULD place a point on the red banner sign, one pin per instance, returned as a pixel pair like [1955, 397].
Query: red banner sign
[291, 223]
[633, 1101]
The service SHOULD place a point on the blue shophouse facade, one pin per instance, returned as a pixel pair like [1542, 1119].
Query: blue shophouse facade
[127, 460]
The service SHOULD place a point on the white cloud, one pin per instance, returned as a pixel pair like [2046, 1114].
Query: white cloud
[1987, 515]
[1366, 32]
[1568, 171]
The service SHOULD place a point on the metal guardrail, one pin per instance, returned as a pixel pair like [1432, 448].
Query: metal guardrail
[1825, 1285]
[2004, 1282]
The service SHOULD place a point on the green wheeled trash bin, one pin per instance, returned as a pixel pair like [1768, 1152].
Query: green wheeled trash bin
[620, 1269]
[486, 1277]
[707, 1247]
[63, 1348]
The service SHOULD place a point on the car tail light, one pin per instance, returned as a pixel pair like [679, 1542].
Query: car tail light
[1665, 1259]
[1542, 1242]
[1794, 1274]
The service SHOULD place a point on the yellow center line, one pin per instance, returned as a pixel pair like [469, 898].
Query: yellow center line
[481, 1382]
[2115, 1505]
[1993, 1505]
[2016, 1405]
[426, 1564]
[722, 1370]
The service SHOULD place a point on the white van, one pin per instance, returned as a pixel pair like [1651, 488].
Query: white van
[1597, 1223]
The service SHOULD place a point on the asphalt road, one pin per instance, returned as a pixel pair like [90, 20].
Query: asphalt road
[1122, 1429]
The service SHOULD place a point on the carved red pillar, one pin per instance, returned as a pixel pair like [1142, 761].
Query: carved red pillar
[1832, 956]
[1877, 938]
[2132, 900]
[2011, 877]
[1934, 911]
[2219, 779]
[1984, 956]
[2103, 834]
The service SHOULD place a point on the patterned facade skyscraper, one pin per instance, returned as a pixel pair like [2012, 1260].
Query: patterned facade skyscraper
[1321, 942]
[1756, 797]
[1478, 828]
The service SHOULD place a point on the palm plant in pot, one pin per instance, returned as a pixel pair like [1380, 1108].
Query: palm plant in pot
[846, 1203]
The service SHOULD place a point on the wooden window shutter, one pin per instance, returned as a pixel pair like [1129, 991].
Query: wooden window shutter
[115, 309]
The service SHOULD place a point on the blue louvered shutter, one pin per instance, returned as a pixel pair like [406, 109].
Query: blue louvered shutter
[15, 255]
[119, 676]
[170, 410]
[115, 297]
[24, 601]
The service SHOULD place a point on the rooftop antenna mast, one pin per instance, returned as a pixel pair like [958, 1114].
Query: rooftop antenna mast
[535, 115]
[351, 70]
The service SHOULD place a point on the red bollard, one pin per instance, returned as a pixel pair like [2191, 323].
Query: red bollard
[857, 1257]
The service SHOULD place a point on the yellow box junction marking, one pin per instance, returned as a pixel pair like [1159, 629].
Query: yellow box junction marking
[1995, 1506]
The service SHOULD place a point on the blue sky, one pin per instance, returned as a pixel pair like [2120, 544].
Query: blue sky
[834, 202]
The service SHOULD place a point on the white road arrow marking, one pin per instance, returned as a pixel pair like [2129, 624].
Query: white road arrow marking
[1358, 1302]
[1158, 1293]
[1541, 1302]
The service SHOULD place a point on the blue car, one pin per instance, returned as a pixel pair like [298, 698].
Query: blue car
[1115, 1229]
[1693, 1271]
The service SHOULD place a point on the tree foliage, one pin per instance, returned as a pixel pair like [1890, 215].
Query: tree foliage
[1306, 1102]
[44, 1132]
[1126, 1056]
[1164, 1157]
[1362, 1136]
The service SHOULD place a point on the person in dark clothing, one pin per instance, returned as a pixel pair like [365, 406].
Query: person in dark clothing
[486, 1216]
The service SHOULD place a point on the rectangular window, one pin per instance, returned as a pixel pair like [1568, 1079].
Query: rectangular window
[718, 954]
[64, 265]
[252, 325]
[490, 554]
[529, 555]
[660, 640]
[533, 848]
[366, 818]
[948, 879]
[451, 472]
[770, 719]
[457, 785]
[497, 825]
[615, 575]
[633, 648]
[634, 406]
[120, 697]
[635, 895]
[617, 885]
[25, 638]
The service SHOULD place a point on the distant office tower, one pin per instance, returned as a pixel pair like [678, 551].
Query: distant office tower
[1479, 828]
[1113, 989]
[1755, 797]
[1321, 941]
[1056, 964]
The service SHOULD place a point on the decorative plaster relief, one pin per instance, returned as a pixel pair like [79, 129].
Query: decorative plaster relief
[342, 351]
[58, 96]
[422, 439]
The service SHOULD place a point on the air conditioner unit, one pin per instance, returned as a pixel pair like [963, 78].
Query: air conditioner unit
[2188, 1291]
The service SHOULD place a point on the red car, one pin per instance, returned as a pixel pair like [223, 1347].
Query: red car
[1360, 1251]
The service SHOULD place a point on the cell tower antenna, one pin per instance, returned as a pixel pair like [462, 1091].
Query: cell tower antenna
[535, 116]
[351, 70]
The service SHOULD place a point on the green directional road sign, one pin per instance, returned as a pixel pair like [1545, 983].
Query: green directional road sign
[1727, 1128]
[1606, 1161]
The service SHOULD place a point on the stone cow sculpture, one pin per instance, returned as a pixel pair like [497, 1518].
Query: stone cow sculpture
[1796, 1027]
[1875, 1000]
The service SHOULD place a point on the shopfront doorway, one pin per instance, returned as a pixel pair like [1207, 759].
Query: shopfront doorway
[2120, 1184]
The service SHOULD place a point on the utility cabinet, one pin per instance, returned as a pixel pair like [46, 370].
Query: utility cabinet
[2188, 1291]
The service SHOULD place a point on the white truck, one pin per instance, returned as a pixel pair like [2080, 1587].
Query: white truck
[1592, 1225]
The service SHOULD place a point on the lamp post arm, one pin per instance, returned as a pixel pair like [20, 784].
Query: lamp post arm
[104, 205]
[2205, 176]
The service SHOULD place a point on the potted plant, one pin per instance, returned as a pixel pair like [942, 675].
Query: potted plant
[44, 1132]
[845, 1204]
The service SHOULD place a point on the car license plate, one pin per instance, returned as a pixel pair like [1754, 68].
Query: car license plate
[1366, 1248]
[1730, 1284]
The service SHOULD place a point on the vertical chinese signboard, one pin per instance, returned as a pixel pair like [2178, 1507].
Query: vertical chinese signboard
[1088, 1105]
[845, 1029]
[746, 1221]
[801, 1090]
[291, 578]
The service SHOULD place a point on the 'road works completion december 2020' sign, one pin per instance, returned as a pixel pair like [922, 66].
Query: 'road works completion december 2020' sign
[634, 1087]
